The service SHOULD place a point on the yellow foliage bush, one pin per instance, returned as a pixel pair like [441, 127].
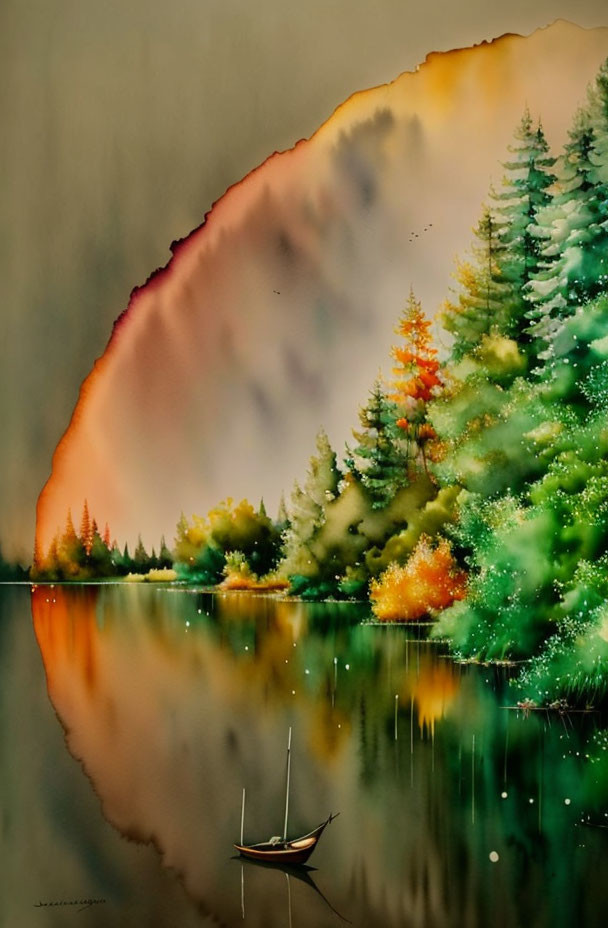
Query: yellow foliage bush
[161, 575]
[429, 582]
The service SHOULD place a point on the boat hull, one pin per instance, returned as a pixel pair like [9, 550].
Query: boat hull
[296, 851]
[281, 856]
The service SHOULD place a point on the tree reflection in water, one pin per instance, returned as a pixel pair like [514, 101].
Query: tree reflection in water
[174, 700]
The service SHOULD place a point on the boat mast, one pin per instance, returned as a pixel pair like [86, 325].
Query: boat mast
[287, 789]
[242, 816]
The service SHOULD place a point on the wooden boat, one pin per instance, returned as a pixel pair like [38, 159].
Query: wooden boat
[279, 849]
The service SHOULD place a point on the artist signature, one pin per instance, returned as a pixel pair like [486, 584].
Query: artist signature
[83, 903]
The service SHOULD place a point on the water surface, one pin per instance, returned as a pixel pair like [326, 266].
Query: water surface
[455, 811]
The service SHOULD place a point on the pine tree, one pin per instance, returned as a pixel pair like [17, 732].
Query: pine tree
[71, 554]
[308, 505]
[379, 459]
[478, 309]
[598, 112]
[128, 563]
[573, 230]
[116, 558]
[106, 537]
[282, 520]
[38, 561]
[86, 529]
[524, 192]
[141, 558]
[165, 560]
[51, 563]
[100, 557]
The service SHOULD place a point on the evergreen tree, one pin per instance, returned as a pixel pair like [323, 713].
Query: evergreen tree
[524, 192]
[573, 231]
[282, 520]
[86, 529]
[38, 561]
[598, 112]
[141, 558]
[165, 560]
[127, 562]
[116, 558]
[416, 380]
[51, 563]
[478, 309]
[11, 571]
[379, 460]
[72, 553]
[308, 506]
[100, 557]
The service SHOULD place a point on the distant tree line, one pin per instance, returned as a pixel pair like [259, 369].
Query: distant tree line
[88, 554]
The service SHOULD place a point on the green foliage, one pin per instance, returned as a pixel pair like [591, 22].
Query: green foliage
[536, 546]
[236, 563]
[427, 518]
[202, 545]
[379, 461]
[165, 559]
[308, 514]
[11, 572]
[524, 193]
[573, 230]
[100, 558]
[77, 557]
[477, 309]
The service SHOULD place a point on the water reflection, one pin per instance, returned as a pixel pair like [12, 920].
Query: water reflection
[453, 808]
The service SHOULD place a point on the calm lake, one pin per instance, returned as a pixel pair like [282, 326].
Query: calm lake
[133, 716]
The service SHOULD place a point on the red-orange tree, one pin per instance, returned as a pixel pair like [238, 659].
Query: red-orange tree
[416, 377]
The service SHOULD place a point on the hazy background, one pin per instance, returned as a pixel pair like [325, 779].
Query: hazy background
[123, 122]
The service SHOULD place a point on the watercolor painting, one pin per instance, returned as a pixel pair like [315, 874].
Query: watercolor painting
[304, 538]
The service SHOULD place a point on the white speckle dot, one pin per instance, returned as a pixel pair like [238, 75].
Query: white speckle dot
[307, 670]
[199, 611]
[530, 801]
[494, 856]
[246, 647]
[567, 802]
[187, 624]
[293, 692]
[347, 666]
[286, 661]
[504, 795]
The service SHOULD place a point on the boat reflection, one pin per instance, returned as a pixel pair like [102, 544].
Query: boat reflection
[303, 873]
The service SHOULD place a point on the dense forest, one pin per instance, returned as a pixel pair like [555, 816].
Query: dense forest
[475, 489]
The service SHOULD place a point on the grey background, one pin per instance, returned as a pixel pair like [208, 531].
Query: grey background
[122, 122]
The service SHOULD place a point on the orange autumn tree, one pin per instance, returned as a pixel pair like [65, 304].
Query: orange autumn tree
[416, 377]
[429, 582]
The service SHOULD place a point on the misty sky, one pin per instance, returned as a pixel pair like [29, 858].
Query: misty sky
[122, 123]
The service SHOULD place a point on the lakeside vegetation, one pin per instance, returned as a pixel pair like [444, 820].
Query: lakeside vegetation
[475, 490]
